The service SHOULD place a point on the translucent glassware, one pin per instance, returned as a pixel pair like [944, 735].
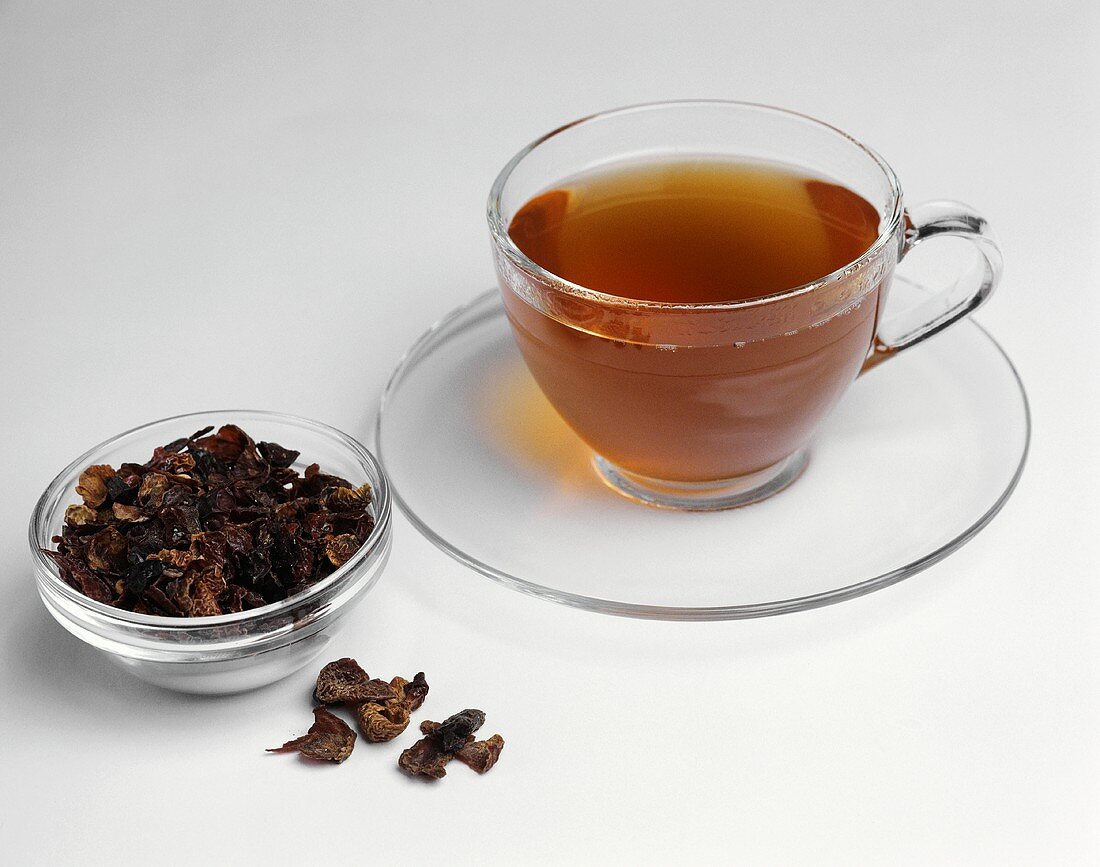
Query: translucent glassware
[710, 405]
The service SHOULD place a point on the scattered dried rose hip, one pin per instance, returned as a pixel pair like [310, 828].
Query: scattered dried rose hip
[210, 524]
[481, 755]
[425, 758]
[382, 708]
[454, 731]
[452, 738]
[329, 739]
[411, 692]
[345, 681]
[382, 722]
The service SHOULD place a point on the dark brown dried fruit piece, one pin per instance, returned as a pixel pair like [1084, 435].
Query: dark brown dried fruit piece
[345, 681]
[481, 755]
[455, 731]
[452, 738]
[78, 576]
[227, 444]
[276, 455]
[329, 739]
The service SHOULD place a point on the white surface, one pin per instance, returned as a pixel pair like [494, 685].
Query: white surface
[263, 205]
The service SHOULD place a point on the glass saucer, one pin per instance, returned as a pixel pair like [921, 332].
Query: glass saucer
[917, 458]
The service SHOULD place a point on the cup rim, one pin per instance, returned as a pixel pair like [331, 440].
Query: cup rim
[499, 230]
[49, 571]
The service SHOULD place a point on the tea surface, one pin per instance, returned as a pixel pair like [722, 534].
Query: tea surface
[695, 231]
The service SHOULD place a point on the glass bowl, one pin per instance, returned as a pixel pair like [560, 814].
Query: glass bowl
[229, 652]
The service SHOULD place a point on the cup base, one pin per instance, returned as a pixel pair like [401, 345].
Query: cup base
[703, 496]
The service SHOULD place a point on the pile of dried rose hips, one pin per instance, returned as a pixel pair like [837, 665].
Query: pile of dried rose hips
[383, 710]
[210, 524]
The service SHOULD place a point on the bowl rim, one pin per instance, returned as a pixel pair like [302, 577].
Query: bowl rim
[47, 570]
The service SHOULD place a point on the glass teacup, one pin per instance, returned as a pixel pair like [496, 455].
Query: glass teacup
[712, 405]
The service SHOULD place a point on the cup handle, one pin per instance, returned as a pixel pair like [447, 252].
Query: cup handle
[963, 297]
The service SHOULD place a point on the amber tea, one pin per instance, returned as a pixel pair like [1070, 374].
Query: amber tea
[695, 231]
[699, 232]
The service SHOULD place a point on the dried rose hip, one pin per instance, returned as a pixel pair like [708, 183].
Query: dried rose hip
[454, 731]
[452, 738]
[425, 758]
[231, 523]
[329, 739]
[411, 692]
[481, 755]
[385, 721]
[382, 722]
[92, 485]
[345, 681]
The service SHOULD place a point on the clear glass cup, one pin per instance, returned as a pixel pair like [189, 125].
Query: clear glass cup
[766, 371]
[229, 652]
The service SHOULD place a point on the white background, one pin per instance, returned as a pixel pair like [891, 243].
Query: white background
[204, 205]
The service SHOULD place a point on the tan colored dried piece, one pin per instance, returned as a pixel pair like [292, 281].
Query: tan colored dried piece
[92, 485]
[106, 551]
[128, 513]
[204, 601]
[398, 684]
[78, 515]
[198, 595]
[345, 681]
[339, 549]
[339, 499]
[382, 722]
[481, 755]
[329, 739]
[425, 758]
[151, 492]
[178, 559]
[411, 692]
